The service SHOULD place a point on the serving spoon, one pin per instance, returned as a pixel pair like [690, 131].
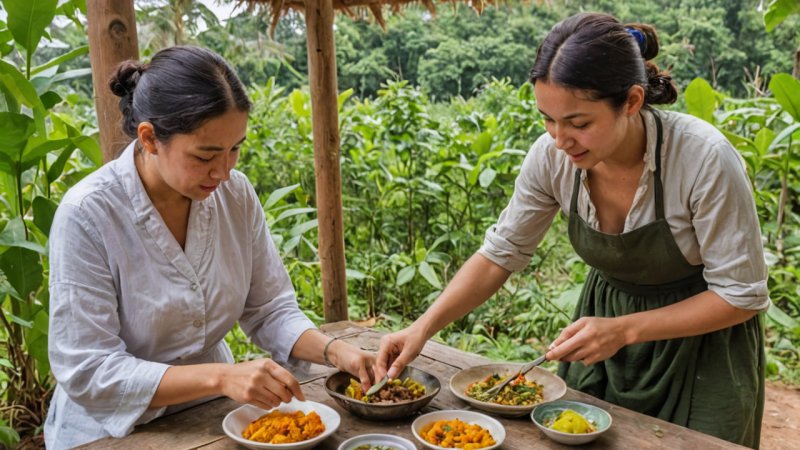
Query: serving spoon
[377, 386]
[492, 393]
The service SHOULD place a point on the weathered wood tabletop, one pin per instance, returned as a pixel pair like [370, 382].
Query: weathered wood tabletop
[201, 426]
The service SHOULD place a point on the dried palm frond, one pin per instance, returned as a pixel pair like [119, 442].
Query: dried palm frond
[354, 8]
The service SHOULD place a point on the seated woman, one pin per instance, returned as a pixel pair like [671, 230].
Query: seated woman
[155, 256]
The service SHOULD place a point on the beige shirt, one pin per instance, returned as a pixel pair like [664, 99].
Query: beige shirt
[708, 204]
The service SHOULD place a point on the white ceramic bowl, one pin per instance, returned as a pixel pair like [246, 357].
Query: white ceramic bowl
[554, 387]
[387, 440]
[237, 420]
[494, 427]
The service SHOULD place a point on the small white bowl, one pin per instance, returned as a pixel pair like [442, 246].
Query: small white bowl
[494, 427]
[387, 440]
[237, 420]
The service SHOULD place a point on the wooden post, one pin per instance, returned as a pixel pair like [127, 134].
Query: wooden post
[325, 118]
[112, 39]
[796, 69]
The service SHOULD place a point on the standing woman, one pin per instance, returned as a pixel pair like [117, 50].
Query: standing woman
[661, 209]
[154, 258]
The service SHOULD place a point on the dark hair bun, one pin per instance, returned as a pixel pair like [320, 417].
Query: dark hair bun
[660, 89]
[177, 91]
[122, 83]
[126, 77]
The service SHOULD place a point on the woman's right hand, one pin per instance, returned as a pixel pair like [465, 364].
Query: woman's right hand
[397, 350]
[261, 382]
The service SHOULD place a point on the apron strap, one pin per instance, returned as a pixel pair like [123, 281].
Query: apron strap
[659, 190]
[573, 207]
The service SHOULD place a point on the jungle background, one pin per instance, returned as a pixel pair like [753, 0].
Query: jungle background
[435, 117]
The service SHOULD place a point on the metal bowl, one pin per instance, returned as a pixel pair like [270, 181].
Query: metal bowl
[336, 384]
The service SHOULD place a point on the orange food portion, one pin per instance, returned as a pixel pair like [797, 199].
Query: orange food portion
[457, 434]
[284, 428]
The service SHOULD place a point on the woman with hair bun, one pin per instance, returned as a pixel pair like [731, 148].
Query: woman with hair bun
[156, 256]
[661, 209]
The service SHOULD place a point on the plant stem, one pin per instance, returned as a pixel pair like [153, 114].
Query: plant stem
[20, 202]
[783, 199]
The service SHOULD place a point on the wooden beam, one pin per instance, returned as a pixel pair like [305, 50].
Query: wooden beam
[325, 118]
[112, 39]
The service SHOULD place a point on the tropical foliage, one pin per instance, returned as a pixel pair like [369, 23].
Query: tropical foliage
[38, 162]
[457, 52]
[429, 160]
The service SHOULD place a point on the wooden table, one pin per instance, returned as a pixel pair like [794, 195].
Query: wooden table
[201, 426]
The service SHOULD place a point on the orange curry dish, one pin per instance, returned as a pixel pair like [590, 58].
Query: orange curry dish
[284, 428]
[457, 434]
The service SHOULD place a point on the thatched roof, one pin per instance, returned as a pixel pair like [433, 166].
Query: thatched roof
[355, 8]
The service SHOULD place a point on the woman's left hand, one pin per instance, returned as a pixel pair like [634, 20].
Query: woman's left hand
[353, 360]
[589, 340]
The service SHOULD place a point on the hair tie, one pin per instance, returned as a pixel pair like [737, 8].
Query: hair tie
[641, 41]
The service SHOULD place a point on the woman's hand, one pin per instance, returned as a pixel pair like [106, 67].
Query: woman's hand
[351, 359]
[589, 340]
[262, 382]
[593, 339]
[397, 350]
[476, 281]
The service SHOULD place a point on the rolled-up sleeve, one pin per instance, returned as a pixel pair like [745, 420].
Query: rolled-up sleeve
[511, 242]
[88, 358]
[725, 220]
[271, 316]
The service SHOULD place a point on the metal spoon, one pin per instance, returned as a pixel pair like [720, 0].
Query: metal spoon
[377, 386]
[492, 393]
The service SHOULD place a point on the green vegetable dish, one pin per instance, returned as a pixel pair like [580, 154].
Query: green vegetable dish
[373, 447]
[519, 392]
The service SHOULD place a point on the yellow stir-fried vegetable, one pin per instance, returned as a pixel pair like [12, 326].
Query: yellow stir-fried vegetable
[415, 390]
[571, 422]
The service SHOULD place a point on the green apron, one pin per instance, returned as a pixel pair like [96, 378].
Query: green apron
[712, 383]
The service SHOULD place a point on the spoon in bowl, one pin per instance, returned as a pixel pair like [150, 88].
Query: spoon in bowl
[377, 386]
[492, 393]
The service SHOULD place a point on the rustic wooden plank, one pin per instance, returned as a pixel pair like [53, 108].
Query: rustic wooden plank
[201, 426]
[196, 427]
[193, 428]
[635, 429]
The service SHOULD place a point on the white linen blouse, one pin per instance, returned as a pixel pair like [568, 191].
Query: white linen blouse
[708, 202]
[127, 302]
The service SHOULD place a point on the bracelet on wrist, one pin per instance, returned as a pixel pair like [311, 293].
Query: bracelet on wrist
[325, 353]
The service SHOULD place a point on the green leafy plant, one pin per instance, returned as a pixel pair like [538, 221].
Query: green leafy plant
[37, 143]
[777, 11]
[766, 131]
[422, 181]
